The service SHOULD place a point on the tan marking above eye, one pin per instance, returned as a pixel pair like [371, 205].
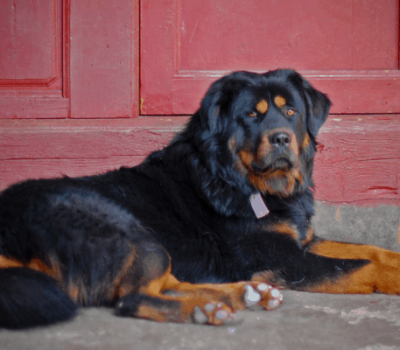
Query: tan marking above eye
[279, 101]
[262, 106]
[290, 112]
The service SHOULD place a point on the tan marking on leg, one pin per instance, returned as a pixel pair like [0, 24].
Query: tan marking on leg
[52, 270]
[262, 106]
[309, 236]
[73, 292]
[157, 286]
[379, 275]
[284, 228]
[368, 279]
[189, 297]
[36, 264]
[9, 262]
[154, 314]
[279, 101]
[230, 293]
[120, 286]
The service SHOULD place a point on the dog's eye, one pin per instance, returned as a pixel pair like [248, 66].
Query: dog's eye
[253, 114]
[290, 112]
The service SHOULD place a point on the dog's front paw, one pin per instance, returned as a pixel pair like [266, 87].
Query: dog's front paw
[260, 294]
[213, 313]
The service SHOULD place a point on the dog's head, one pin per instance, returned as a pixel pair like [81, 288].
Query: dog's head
[253, 133]
[265, 127]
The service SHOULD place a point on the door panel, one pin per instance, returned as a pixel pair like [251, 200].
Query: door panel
[68, 59]
[313, 35]
[347, 48]
[29, 48]
[31, 80]
[103, 63]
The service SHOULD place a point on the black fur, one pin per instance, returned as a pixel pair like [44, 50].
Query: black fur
[192, 198]
[31, 298]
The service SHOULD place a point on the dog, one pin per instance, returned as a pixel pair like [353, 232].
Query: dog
[217, 221]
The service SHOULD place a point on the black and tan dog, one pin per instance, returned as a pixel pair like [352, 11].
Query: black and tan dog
[174, 238]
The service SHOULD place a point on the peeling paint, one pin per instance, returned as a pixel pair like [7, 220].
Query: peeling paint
[337, 213]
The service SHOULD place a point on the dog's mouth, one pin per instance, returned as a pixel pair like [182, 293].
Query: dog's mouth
[277, 164]
[281, 163]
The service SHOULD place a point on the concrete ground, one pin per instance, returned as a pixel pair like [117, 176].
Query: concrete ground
[304, 320]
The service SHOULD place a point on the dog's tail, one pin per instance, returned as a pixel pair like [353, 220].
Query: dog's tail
[29, 298]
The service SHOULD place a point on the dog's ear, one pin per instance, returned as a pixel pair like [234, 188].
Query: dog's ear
[216, 104]
[210, 108]
[318, 106]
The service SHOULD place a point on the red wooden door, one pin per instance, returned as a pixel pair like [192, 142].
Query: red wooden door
[347, 48]
[64, 65]
[69, 83]
[67, 59]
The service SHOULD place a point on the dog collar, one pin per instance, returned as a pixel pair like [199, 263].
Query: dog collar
[258, 205]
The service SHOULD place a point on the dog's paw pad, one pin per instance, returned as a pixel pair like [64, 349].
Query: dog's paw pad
[262, 295]
[199, 316]
[212, 313]
[251, 297]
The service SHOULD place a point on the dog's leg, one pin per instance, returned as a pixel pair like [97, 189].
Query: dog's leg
[239, 295]
[149, 302]
[30, 298]
[380, 274]
[334, 267]
[165, 299]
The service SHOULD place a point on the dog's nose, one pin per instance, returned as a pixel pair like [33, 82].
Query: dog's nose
[280, 139]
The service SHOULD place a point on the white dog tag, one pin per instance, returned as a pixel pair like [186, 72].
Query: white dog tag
[258, 205]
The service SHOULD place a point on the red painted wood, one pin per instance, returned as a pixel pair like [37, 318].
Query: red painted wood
[28, 43]
[104, 138]
[66, 17]
[103, 62]
[12, 171]
[31, 46]
[349, 49]
[69, 58]
[358, 160]
[48, 148]
[34, 107]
